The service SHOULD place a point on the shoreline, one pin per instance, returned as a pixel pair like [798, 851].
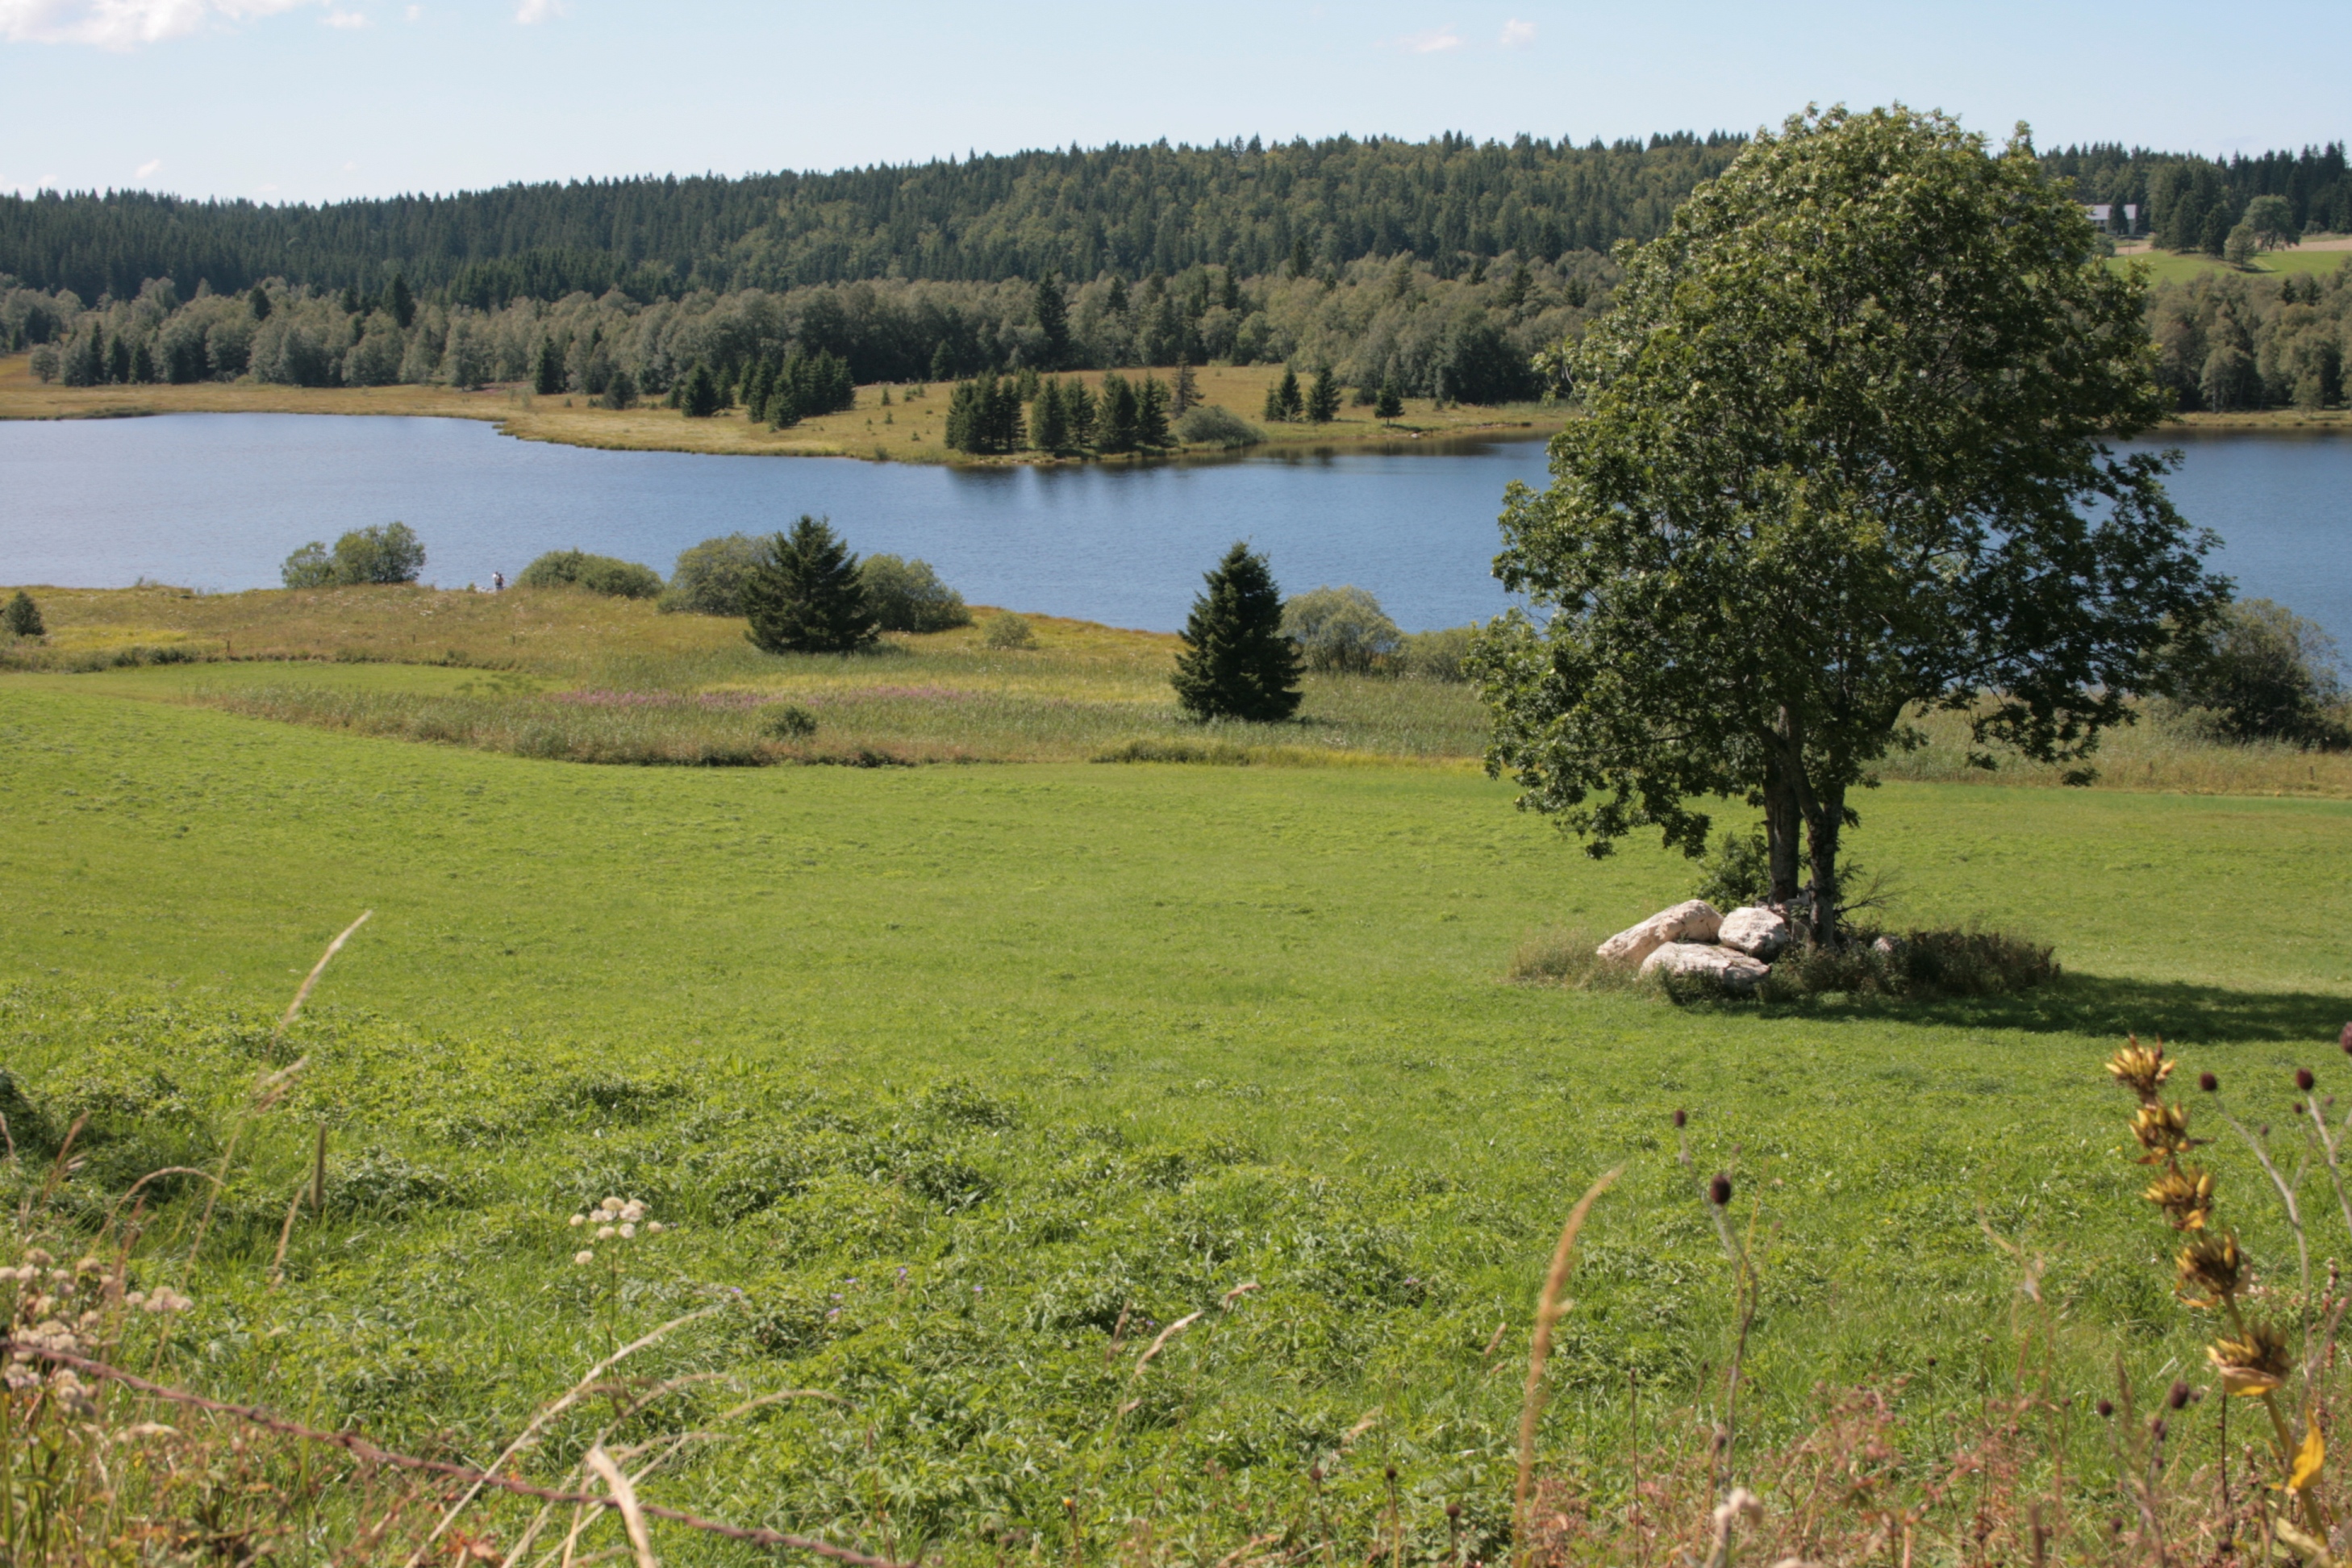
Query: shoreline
[870, 432]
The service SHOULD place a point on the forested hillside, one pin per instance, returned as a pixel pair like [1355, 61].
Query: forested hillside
[1303, 206]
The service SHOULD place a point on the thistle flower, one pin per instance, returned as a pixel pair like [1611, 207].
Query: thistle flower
[603, 1233]
[2140, 1068]
[2207, 1082]
[2185, 1193]
[2210, 1263]
[1718, 1191]
[2255, 1364]
[2162, 1130]
[2304, 1080]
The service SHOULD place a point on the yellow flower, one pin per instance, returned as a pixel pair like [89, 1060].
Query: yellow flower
[2209, 1264]
[2163, 1131]
[2255, 1364]
[2140, 1068]
[2186, 1197]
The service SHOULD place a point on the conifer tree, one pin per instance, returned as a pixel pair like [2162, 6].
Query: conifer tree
[1049, 419]
[942, 367]
[1392, 400]
[783, 409]
[699, 397]
[1187, 390]
[351, 300]
[757, 390]
[805, 593]
[1053, 322]
[21, 619]
[1236, 663]
[399, 304]
[258, 301]
[1151, 417]
[1323, 400]
[547, 375]
[1078, 408]
[1285, 401]
[1230, 296]
[1115, 421]
[142, 364]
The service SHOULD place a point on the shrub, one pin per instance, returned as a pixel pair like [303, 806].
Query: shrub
[708, 578]
[391, 553]
[1440, 655]
[1236, 663]
[1736, 872]
[2265, 674]
[1919, 965]
[603, 575]
[908, 596]
[1009, 630]
[21, 619]
[789, 722]
[1341, 629]
[804, 595]
[1206, 424]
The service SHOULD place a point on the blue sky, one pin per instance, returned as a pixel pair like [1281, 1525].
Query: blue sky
[315, 99]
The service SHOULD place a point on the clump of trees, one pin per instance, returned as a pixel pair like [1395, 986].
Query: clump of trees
[2227, 341]
[22, 617]
[605, 574]
[391, 553]
[1342, 629]
[805, 594]
[1236, 662]
[908, 596]
[710, 577]
[1843, 459]
[2264, 673]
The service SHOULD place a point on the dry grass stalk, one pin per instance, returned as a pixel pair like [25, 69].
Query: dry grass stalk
[1550, 1305]
[624, 1497]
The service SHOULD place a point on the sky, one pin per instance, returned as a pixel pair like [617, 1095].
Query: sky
[322, 99]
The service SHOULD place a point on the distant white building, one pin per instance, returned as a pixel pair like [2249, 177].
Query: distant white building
[2103, 213]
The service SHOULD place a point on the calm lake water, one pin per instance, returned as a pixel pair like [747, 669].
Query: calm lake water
[217, 502]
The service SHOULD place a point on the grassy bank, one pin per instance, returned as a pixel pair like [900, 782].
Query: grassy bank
[910, 430]
[940, 1073]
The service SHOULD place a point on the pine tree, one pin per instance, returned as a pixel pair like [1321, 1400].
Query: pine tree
[942, 366]
[1078, 408]
[784, 405]
[1187, 390]
[699, 397]
[118, 360]
[1151, 417]
[547, 375]
[399, 304]
[757, 389]
[1230, 296]
[1287, 395]
[1053, 322]
[1392, 402]
[1301, 259]
[21, 619]
[1117, 300]
[143, 363]
[258, 301]
[1236, 663]
[1323, 401]
[1049, 419]
[1114, 420]
[805, 593]
[351, 300]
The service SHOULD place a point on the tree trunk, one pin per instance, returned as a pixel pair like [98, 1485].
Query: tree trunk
[1823, 822]
[1783, 824]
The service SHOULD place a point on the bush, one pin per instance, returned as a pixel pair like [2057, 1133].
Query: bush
[790, 722]
[1736, 872]
[21, 619]
[1440, 655]
[1341, 629]
[708, 578]
[1009, 630]
[1919, 965]
[908, 596]
[603, 575]
[2265, 674]
[391, 553]
[1206, 424]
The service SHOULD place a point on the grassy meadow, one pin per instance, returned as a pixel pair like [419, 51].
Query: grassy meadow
[958, 1085]
[912, 429]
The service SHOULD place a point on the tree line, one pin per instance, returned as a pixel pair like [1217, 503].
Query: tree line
[2188, 203]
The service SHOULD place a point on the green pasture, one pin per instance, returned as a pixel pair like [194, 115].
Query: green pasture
[1068, 1043]
[2179, 266]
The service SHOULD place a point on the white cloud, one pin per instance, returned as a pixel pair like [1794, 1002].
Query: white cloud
[125, 23]
[1517, 34]
[531, 11]
[1437, 40]
[345, 19]
[412, 14]
[150, 169]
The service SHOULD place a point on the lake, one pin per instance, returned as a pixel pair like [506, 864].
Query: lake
[217, 502]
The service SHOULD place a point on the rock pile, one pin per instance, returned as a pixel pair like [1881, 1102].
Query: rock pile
[1735, 950]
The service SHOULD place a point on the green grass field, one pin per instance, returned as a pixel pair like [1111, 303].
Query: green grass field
[2179, 266]
[939, 1072]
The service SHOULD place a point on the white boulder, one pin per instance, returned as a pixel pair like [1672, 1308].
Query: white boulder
[1694, 921]
[1732, 970]
[1756, 931]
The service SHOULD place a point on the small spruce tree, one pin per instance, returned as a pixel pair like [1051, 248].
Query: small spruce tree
[1287, 393]
[1236, 663]
[21, 619]
[1392, 400]
[700, 397]
[806, 594]
[1078, 407]
[1053, 322]
[399, 304]
[1151, 415]
[1049, 419]
[1187, 390]
[259, 302]
[547, 376]
[1323, 400]
[1115, 423]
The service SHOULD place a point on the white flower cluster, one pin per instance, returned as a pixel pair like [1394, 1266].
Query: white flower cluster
[61, 1311]
[616, 1219]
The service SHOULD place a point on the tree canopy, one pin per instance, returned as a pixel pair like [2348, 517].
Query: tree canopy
[1841, 460]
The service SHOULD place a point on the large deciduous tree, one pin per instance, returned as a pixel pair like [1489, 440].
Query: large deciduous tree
[1839, 462]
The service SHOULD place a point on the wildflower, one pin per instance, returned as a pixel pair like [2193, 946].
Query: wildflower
[584, 1256]
[2255, 1364]
[1682, 1118]
[579, 1219]
[2180, 1396]
[2207, 1082]
[2162, 1130]
[2210, 1263]
[2185, 1194]
[2140, 1068]
[604, 1233]
[633, 1211]
[164, 1299]
[627, 1229]
[2304, 1080]
[2106, 1409]
[1718, 1191]
[653, 1228]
